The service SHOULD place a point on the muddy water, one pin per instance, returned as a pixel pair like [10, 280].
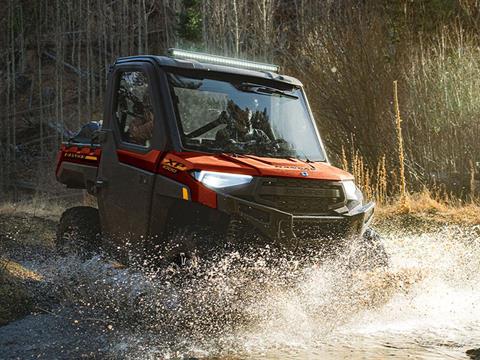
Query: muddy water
[270, 305]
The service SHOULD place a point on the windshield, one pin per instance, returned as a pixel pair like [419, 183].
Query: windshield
[244, 118]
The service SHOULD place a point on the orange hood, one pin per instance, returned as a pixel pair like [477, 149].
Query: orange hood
[258, 166]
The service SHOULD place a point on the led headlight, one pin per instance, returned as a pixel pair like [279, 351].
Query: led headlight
[350, 190]
[220, 180]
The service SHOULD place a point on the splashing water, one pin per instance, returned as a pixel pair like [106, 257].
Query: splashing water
[270, 305]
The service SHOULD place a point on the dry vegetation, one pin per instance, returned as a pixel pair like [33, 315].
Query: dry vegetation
[428, 208]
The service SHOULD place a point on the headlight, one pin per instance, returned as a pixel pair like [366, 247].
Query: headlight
[352, 193]
[350, 190]
[219, 180]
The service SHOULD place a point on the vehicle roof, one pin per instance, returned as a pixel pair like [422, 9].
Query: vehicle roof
[196, 65]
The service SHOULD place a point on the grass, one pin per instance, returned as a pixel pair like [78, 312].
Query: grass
[35, 207]
[424, 207]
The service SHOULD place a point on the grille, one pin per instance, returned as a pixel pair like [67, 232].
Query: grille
[301, 197]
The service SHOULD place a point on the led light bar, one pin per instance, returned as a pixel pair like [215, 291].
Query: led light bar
[221, 60]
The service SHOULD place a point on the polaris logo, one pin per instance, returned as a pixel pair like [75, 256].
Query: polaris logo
[304, 173]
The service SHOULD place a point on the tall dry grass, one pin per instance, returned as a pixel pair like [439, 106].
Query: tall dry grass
[401, 152]
[434, 203]
[433, 200]
[429, 206]
[348, 63]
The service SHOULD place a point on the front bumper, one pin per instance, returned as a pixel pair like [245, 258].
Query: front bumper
[280, 226]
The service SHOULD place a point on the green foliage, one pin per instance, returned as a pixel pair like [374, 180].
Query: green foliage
[190, 21]
[429, 15]
[421, 16]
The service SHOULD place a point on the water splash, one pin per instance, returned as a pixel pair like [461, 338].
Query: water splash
[271, 304]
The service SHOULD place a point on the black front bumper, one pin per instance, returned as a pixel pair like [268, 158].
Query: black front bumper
[281, 226]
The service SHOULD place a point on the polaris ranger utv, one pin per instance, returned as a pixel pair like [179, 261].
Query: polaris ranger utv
[193, 145]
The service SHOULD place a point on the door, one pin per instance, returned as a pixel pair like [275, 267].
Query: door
[130, 156]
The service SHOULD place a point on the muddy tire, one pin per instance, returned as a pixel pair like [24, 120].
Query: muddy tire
[79, 232]
[370, 252]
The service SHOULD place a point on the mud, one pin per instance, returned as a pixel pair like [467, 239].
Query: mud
[264, 304]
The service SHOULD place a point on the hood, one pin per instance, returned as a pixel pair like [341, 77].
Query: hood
[258, 166]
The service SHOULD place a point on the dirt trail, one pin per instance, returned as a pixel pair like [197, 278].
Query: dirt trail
[263, 305]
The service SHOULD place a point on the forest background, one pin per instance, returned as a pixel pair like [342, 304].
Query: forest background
[55, 55]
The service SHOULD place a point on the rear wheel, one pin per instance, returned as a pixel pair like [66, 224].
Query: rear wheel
[79, 232]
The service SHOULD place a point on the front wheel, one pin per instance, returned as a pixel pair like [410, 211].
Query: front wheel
[180, 248]
[369, 252]
[79, 232]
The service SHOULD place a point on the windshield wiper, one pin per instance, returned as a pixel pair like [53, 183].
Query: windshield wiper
[306, 158]
[262, 89]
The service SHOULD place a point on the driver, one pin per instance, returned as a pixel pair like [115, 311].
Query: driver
[259, 120]
[239, 127]
[141, 127]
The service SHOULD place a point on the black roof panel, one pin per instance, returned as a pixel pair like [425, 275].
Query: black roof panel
[193, 64]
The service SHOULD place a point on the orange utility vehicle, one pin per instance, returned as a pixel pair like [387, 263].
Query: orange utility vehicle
[196, 147]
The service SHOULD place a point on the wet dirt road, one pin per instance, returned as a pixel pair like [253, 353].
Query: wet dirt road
[426, 305]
